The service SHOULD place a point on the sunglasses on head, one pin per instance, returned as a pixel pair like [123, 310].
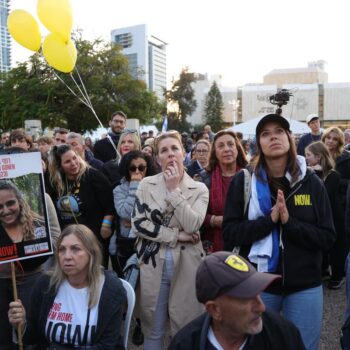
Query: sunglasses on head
[140, 168]
[130, 131]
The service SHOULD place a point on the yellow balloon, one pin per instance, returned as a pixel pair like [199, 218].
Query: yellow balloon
[24, 29]
[59, 54]
[56, 16]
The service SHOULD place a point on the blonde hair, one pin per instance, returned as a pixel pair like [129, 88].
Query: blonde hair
[95, 270]
[57, 175]
[135, 138]
[341, 140]
[164, 135]
[204, 142]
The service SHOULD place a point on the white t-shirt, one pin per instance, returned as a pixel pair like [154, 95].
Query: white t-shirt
[211, 337]
[67, 318]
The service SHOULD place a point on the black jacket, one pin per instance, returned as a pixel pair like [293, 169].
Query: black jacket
[277, 334]
[342, 166]
[95, 201]
[110, 313]
[103, 149]
[194, 168]
[308, 232]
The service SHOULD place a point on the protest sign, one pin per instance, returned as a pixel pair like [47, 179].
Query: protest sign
[24, 226]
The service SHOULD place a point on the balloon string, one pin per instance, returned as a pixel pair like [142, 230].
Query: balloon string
[83, 85]
[87, 98]
[62, 81]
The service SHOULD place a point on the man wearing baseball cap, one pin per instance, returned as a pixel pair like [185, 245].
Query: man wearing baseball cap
[235, 318]
[313, 123]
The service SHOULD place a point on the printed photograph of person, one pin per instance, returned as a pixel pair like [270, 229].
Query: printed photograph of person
[18, 222]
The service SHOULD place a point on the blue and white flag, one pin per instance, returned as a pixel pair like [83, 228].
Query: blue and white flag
[165, 123]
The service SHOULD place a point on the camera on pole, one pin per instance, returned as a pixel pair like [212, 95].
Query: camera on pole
[280, 99]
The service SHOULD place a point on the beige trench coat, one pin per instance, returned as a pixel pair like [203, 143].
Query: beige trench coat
[157, 219]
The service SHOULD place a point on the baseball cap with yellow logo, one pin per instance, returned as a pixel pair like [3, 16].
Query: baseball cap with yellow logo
[226, 273]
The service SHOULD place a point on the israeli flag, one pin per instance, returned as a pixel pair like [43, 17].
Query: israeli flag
[165, 123]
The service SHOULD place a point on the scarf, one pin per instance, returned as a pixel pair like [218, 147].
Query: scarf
[265, 252]
[216, 196]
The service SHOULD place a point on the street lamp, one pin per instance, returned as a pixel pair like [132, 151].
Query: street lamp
[235, 105]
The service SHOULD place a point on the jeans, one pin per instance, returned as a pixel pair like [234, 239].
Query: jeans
[155, 341]
[304, 309]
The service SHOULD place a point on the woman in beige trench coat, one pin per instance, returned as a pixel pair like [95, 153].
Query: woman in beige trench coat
[169, 210]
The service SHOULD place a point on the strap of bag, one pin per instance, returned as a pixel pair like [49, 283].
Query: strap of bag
[247, 192]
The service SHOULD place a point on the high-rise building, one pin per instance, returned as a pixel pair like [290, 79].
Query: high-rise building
[146, 55]
[5, 40]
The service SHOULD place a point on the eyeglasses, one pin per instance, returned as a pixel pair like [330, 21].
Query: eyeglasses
[141, 168]
[201, 151]
[118, 121]
[9, 203]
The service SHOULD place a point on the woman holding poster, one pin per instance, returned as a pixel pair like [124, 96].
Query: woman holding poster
[19, 225]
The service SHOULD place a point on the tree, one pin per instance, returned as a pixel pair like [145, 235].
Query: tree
[181, 95]
[34, 91]
[213, 109]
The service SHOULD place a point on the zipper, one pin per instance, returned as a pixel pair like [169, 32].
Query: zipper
[282, 255]
[281, 231]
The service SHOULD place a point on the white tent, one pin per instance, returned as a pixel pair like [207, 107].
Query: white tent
[248, 128]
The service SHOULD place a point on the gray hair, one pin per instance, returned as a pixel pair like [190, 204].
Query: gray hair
[75, 135]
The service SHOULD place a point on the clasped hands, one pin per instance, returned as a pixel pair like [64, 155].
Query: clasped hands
[279, 211]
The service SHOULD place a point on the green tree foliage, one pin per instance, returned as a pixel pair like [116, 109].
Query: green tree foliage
[181, 95]
[33, 91]
[213, 109]
[29, 186]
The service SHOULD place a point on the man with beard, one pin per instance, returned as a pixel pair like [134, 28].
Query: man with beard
[103, 149]
[235, 317]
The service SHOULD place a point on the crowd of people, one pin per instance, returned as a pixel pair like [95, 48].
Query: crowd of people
[233, 237]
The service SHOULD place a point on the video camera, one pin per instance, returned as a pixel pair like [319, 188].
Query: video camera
[280, 99]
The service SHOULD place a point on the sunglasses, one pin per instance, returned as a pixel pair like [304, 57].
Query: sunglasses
[141, 168]
[8, 204]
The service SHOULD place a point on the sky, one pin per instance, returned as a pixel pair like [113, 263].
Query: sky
[241, 40]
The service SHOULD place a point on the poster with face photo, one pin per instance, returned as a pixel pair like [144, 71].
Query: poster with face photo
[24, 227]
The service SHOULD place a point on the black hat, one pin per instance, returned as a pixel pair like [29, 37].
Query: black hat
[272, 118]
[223, 273]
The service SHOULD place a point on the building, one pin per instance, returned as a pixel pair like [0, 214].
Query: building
[311, 93]
[5, 40]
[229, 98]
[146, 55]
[313, 73]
